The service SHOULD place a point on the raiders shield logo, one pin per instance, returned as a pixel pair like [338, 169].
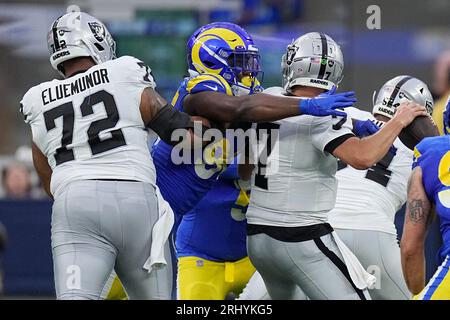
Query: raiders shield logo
[290, 54]
[98, 30]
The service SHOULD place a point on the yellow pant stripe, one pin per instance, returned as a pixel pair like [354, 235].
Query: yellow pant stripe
[438, 288]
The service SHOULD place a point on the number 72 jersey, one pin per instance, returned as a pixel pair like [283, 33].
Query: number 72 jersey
[89, 126]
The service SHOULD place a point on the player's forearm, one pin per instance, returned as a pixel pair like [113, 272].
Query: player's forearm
[47, 188]
[417, 218]
[45, 178]
[42, 168]
[263, 107]
[413, 265]
[372, 149]
[260, 108]
[252, 108]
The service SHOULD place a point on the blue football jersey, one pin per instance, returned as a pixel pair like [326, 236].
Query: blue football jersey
[433, 156]
[183, 185]
[216, 228]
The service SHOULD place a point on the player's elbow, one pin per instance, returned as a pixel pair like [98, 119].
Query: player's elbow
[363, 158]
[410, 248]
[355, 154]
[406, 250]
[361, 162]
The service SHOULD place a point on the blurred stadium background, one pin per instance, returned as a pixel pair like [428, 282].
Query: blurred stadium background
[413, 35]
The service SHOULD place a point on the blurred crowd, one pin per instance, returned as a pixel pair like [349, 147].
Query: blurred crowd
[264, 12]
[19, 179]
[441, 86]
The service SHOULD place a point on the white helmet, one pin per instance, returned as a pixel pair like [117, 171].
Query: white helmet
[78, 34]
[399, 89]
[312, 60]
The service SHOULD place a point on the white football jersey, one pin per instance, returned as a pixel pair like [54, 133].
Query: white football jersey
[297, 187]
[369, 199]
[89, 125]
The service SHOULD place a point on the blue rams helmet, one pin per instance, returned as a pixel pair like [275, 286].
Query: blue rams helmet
[225, 49]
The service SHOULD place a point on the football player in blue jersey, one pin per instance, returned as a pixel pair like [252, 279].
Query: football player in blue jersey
[428, 186]
[224, 69]
[211, 242]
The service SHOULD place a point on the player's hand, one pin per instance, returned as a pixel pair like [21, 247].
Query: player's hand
[327, 103]
[408, 111]
[364, 128]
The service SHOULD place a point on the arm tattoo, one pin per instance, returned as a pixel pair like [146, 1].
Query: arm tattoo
[416, 211]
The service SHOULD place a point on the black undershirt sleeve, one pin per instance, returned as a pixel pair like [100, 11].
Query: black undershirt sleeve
[167, 120]
[333, 144]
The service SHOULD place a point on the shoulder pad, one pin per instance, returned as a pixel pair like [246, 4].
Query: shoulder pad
[208, 82]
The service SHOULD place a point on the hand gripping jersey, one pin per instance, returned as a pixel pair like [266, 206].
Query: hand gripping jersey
[433, 156]
[297, 186]
[183, 185]
[216, 228]
[89, 126]
[368, 199]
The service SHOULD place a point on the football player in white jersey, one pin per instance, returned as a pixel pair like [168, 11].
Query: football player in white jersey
[367, 200]
[90, 149]
[290, 241]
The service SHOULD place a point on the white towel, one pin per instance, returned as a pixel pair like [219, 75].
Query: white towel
[160, 234]
[360, 277]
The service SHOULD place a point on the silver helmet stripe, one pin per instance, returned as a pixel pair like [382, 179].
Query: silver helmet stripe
[397, 89]
[312, 60]
[323, 64]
